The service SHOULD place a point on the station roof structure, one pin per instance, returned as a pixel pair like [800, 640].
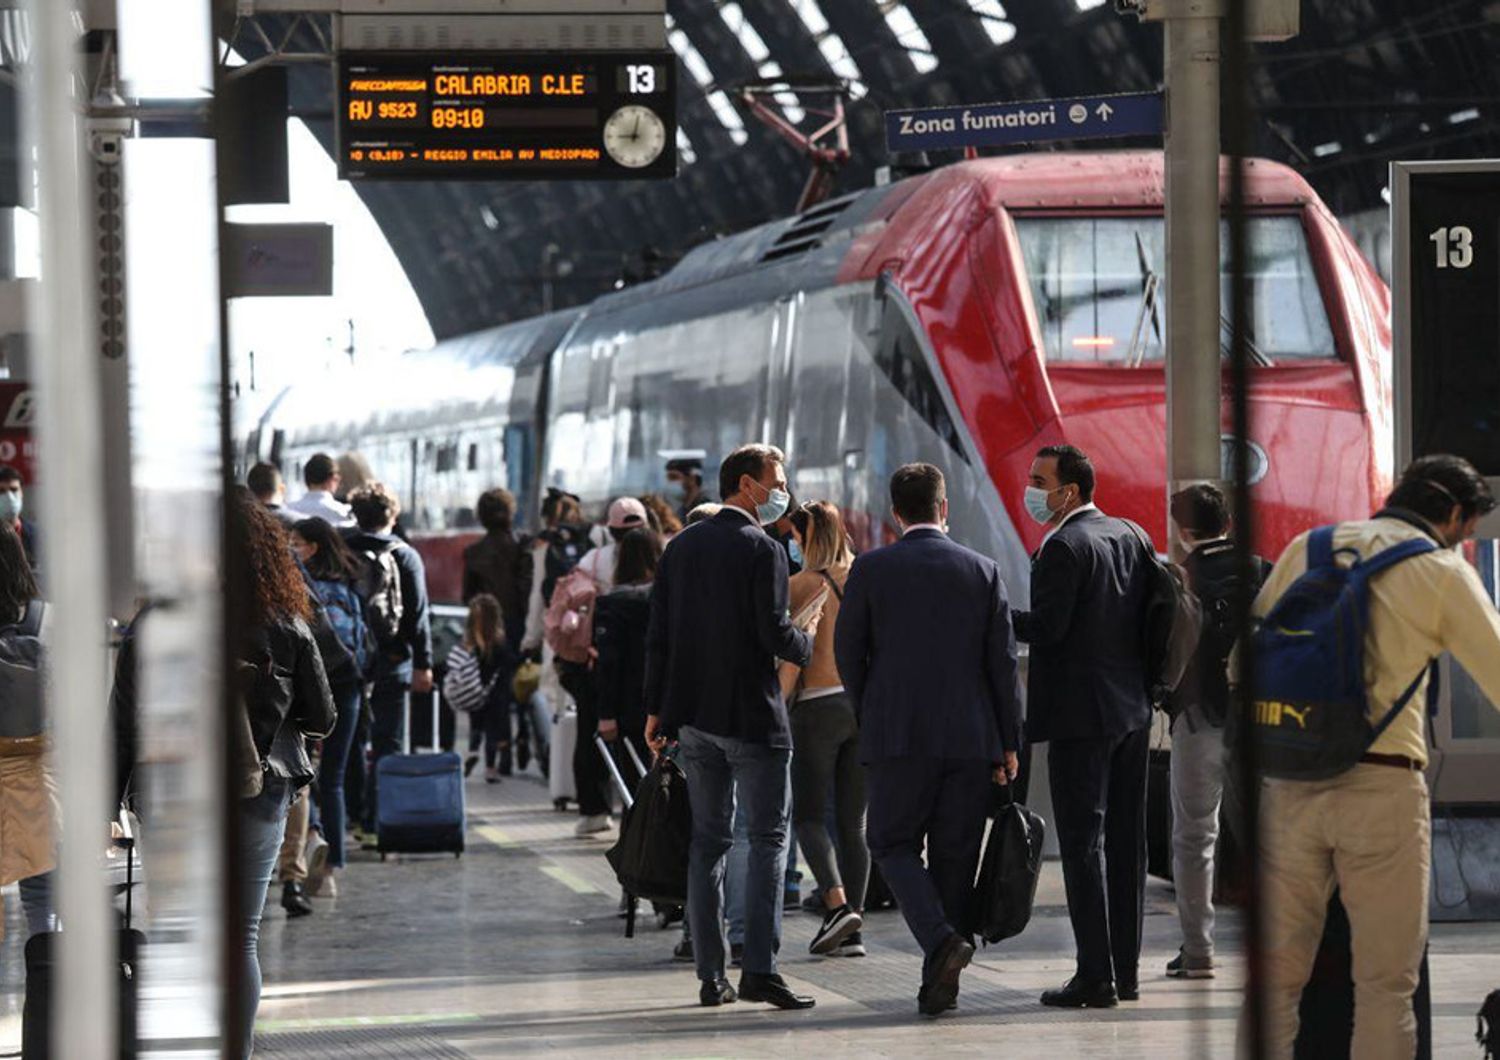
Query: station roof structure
[1365, 82]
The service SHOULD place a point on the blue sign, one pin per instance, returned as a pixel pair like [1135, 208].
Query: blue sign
[1036, 121]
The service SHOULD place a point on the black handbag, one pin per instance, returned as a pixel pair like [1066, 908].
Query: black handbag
[650, 858]
[1009, 870]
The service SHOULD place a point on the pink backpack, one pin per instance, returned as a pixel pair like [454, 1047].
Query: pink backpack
[569, 623]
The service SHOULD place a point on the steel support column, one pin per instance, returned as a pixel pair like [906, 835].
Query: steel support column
[1192, 265]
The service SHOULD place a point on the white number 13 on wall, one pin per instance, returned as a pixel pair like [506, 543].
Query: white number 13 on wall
[1455, 246]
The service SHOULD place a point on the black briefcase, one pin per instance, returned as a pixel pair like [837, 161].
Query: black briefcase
[1009, 870]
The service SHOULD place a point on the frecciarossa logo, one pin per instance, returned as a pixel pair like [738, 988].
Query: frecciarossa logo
[1276, 714]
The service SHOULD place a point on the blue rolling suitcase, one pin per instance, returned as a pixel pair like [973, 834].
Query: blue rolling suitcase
[421, 809]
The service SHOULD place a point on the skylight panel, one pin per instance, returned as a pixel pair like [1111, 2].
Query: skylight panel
[739, 25]
[830, 44]
[721, 105]
[992, 16]
[685, 153]
[910, 36]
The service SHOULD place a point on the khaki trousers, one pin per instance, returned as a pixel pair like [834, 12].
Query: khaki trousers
[1367, 832]
[291, 864]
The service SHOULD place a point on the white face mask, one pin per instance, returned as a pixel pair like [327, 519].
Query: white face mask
[1035, 501]
[773, 507]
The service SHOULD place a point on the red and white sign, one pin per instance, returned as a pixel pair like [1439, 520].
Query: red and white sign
[17, 444]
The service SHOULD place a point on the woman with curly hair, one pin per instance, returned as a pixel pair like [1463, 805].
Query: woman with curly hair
[283, 701]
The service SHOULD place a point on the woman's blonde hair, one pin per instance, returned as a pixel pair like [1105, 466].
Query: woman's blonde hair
[824, 542]
[485, 627]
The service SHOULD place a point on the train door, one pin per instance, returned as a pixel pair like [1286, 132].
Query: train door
[780, 371]
[820, 333]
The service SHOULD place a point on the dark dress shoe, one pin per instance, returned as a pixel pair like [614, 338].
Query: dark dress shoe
[1128, 991]
[940, 993]
[772, 989]
[712, 995]
[1080, 993]
[294, 900]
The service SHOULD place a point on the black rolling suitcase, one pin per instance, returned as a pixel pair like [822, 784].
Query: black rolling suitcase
[41, 963]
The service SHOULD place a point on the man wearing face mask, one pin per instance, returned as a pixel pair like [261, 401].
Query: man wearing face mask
[719, 622]
[10, 513]
[1086, 697]
[685, 477]
[1367, 831]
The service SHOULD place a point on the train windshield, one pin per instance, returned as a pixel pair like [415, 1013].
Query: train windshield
[1099, 285]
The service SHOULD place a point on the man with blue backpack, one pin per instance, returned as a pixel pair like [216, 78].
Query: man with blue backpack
[1350, 620]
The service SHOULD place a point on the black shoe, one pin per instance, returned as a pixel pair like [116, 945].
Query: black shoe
[1080, 993]
[523, 755]
[940, 992]
[837, 925]
[294, 900]
[736, 954]
[813, 903]
[1128, 990]
[469, 763]
[712, 995]
[683, 951]
[852, 946]
[772, 989]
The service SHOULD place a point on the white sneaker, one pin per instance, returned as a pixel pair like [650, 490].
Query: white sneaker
[316, 854]
[325, 885]
[592, 825]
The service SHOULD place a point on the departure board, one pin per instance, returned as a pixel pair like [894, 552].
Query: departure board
[1447, 294]
[511, 116]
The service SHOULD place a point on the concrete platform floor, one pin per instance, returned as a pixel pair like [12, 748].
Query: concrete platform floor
[516, 948]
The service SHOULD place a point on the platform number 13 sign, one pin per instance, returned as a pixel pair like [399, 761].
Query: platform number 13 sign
[1455, 246]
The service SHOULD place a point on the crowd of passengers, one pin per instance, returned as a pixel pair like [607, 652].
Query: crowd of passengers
[868, 707]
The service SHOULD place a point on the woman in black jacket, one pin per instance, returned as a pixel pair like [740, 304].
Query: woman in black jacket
[620, 621]
[284, 700]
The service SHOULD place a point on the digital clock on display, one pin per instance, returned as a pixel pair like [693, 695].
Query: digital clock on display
[499, 116]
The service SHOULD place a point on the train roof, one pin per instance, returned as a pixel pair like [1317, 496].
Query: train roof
[806, 250]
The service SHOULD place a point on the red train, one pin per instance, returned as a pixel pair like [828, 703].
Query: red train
[964, 316]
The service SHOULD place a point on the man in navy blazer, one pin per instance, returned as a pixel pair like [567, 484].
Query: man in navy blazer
[925, 649]
[1086, 694]
[719, 623]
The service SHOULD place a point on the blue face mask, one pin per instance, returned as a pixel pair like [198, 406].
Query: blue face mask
[1035, 501]
[794, 550]
[773, 507]
[10, 506]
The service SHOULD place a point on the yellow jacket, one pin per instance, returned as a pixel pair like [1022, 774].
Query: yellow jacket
[1419, 609]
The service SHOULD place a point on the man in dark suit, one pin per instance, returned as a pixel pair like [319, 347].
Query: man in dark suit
[925, 649]
[719, 622]
[1086, 693]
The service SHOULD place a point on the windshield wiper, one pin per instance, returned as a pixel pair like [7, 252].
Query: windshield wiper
[1226, 339]
[1150, 284]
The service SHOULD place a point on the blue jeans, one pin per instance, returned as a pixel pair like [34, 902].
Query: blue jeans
[37, 903]
[262, 823]
[736, 864]
[332, 770]
[717, 767]
[388, 709]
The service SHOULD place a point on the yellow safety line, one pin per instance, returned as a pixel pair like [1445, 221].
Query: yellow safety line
[577, 884]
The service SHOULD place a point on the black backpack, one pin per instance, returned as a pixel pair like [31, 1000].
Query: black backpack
[1170, 624]
[1215, 580]
[380, 587]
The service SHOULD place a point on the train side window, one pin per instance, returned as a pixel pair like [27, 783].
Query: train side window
[898, 355]
[473, 461]
[447, 457]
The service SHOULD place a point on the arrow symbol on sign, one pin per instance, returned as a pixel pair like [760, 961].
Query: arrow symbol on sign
[1104, 110]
